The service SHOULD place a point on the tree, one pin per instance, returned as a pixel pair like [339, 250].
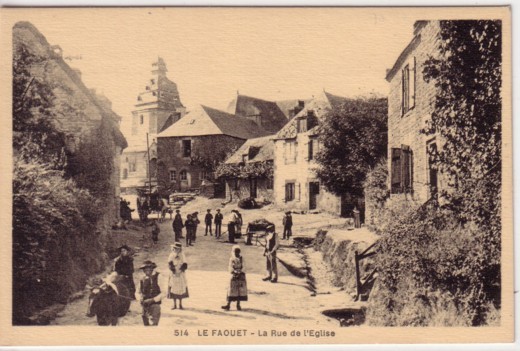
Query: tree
[467, 117]
[353, 138]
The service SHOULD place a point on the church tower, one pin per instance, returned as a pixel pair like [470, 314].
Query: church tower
[158, 105]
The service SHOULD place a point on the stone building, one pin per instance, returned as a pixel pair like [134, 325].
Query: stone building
[269, 115]
[190, 148]
[295, 146]
[158, 107]
[412, 175]
[256, 151]
[82, 115]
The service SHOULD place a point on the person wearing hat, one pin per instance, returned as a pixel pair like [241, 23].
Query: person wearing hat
[149, 294]
[196, 222]
[124, 267]
[177, 225]
[287, 225]
[237, 290]
[177, 284]
[189, 230]
[271, 246]
[218, 223]
[207, 220]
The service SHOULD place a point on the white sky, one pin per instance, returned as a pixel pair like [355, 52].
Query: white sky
[275, 54]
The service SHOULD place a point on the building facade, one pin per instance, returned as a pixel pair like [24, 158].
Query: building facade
[259, 153]
[190, 148]
[296, 186]
[410, 104]
[158, 107]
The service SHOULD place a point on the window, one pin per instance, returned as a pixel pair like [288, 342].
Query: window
[289, 191]
[183, 175]
[152, 81]
[205, 175]
[270, 183]
[173, 176]
[141, 119]
[244, 159]
[186, 148]
[408, 87]
[132, 166]
[433, 179]
[290, 152]
[402, 170]
[235, 184]
[301, 125]
[311, 149]
[125, 173]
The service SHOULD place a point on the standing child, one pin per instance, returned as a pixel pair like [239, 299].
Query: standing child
[189, 230]
[237, 290]
[207, 220]
[177, 284]
[149, 294]
[196, 222]
[155, 232]
[218, 223]
[287, 225]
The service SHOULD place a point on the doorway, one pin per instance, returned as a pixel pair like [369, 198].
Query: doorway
[314, 191]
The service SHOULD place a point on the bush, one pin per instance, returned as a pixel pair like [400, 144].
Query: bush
[376, 192]
[431, 271]
[55, 242]
[248, 203]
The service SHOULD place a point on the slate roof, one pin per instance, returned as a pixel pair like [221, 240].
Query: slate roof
[205, 120]
[320, 105]
[287, 105]
[260, 149]
[273, 118]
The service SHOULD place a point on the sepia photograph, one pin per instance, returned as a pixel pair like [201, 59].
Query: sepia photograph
[262, 175]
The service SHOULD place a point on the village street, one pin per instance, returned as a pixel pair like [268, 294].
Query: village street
[290, 303]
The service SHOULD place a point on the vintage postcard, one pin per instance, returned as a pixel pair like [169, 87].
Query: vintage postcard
[209, 176]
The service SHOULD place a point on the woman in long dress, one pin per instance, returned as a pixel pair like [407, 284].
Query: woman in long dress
[177, 284]
[237, 290]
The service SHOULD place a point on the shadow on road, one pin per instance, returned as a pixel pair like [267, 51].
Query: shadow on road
[219, 313]
[272, 314]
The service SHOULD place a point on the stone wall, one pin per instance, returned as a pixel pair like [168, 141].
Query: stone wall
[170, 153]
[404, 129]
[239, 189]
[338, 248]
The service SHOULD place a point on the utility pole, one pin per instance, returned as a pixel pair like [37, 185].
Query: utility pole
[149, 173]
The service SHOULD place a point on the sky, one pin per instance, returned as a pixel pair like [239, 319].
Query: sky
[213, 53]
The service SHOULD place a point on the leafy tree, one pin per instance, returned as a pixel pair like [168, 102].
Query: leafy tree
[467, 117]
[353, 138]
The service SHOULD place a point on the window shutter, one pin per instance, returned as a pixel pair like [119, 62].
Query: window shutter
[311, 149]
[406, 168]
[396, 171]
[411, 89]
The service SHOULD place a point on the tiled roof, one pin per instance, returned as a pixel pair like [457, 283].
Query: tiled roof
[273, 118]
[261, 149]
[208, 121]
[320, 105]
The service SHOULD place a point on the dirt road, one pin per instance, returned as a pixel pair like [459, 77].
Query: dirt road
[288, 303]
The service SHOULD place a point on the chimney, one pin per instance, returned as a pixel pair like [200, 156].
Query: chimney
[57, 51]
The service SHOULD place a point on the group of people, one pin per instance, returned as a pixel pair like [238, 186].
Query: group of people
[149, 293]
[234, 225]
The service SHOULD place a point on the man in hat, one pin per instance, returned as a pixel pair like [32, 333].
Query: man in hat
[124, 267]
[271, 246]
[207, 220]
[218, 223]
[177, 225]
[149, 294]
[287, 225]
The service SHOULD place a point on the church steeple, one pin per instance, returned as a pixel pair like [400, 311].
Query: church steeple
[159, 67]
[158, 105]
